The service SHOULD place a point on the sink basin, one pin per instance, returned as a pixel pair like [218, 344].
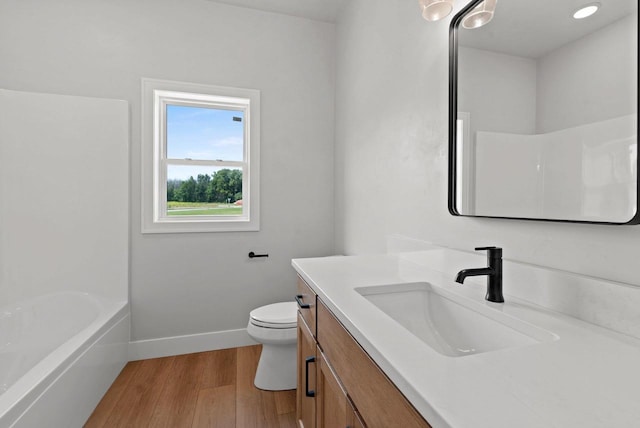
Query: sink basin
[450, 324]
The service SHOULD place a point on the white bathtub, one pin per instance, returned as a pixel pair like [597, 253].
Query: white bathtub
[58, 355]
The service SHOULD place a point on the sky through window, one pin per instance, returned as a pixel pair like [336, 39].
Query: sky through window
[202, 133]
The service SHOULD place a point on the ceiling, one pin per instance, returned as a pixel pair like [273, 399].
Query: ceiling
[319, 10]
[534, 28]
[528, 28]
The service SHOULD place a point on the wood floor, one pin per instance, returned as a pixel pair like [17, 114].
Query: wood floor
[207, 389]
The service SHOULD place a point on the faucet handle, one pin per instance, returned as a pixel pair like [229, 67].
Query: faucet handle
[492, 252]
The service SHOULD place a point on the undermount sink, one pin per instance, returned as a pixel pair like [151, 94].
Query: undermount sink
[449, 324]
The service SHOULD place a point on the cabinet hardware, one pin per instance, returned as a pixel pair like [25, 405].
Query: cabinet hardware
[308, 393]
[301, 304]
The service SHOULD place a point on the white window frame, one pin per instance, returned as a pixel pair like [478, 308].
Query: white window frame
[156, 95]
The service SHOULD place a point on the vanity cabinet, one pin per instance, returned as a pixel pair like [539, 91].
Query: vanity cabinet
[375, 397]
[338, 384]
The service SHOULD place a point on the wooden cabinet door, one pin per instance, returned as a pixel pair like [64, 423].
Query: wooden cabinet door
[332, 405]
[307, 364]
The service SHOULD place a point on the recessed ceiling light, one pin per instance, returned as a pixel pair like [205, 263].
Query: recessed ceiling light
[586, 11]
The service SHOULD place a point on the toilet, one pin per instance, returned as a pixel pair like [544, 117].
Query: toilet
[275, 326]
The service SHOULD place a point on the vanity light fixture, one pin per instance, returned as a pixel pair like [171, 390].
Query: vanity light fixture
[480, 15]
[435, 10]
[586, 11]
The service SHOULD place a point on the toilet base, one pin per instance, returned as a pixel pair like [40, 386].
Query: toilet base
[277, 368]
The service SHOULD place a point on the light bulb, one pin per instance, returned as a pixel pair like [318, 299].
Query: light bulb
[435, 10]
[480, 15]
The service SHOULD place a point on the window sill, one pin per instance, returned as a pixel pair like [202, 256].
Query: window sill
[200, 226]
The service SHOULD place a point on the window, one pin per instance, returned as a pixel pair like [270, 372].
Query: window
[200, 158]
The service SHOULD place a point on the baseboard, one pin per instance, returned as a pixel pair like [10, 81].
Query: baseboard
[177, 345]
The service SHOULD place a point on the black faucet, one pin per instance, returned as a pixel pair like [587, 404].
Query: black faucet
[493, 272]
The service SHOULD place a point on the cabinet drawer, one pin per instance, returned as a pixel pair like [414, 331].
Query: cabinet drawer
[306, 299]
[378, 401]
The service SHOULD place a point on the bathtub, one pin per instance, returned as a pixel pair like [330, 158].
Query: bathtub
[58, 355]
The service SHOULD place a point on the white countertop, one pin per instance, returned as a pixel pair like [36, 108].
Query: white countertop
[588, 377]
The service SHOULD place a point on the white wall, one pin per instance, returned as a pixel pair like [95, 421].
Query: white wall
[506, 82]
[64, 195]
[191, 283]
[518, 157]
[391, 153]
[596, 70]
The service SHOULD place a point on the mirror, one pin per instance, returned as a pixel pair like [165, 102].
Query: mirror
[543, 111]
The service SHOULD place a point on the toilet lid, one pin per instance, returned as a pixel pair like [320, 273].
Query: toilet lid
[277, 315]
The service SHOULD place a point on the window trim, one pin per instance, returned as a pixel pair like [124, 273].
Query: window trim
[156, 94]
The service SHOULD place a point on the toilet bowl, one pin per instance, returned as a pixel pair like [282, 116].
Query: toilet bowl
[275, 326]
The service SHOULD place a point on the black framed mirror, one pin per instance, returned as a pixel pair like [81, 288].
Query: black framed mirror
[543, 111]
